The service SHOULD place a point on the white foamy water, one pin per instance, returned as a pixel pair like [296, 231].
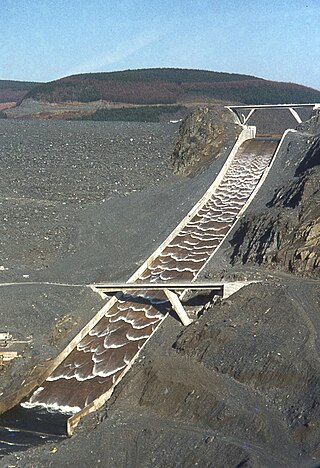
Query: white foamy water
[99, 360]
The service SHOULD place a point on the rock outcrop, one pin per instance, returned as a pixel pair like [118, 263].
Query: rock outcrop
[311, 126]
[202, 136]
[286, 235]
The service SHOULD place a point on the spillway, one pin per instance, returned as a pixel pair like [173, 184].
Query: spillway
[102, 357]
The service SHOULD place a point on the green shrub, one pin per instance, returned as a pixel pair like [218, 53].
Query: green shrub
[133, 114]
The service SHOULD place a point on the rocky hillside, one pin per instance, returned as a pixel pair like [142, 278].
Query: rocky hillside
[286, 235]
[202, 136]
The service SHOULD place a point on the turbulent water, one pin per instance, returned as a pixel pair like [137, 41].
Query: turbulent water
[100, 359]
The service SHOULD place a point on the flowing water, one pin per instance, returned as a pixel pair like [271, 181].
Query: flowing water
[106, 352]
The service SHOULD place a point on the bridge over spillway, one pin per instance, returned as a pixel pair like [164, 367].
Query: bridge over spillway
[251, 109]
[84, 375]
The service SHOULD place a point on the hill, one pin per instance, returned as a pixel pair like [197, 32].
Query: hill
[14, 91]
[170, 86]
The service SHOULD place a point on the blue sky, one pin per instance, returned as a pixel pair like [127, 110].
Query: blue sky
[42, 40]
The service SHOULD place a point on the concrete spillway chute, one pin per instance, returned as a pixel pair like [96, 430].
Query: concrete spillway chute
[84, 375]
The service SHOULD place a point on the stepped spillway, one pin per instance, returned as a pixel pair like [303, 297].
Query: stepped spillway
[103, 356]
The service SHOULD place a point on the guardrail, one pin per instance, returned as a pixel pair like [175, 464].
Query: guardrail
[252, 108]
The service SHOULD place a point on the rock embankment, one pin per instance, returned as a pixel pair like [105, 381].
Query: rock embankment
[202, 136]
[286, 235]
[237, 340]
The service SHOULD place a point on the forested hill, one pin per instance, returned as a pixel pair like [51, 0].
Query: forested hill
[13, 91]
[170, 86]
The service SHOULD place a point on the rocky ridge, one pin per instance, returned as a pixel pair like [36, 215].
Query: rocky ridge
[202, 136]
[286, 235]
